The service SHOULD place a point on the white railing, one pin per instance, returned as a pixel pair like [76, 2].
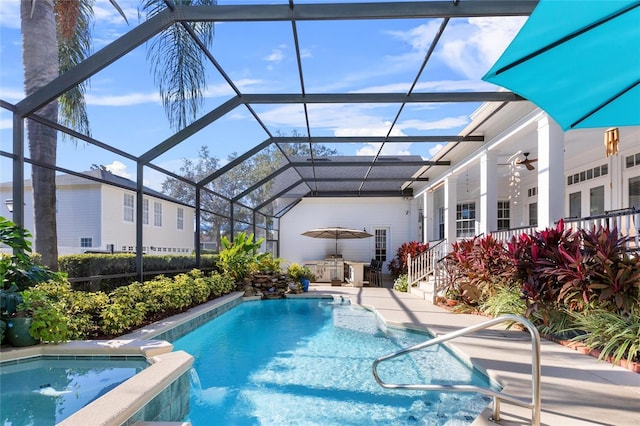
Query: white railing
[626, 221]
[507, 234]
[423, 265]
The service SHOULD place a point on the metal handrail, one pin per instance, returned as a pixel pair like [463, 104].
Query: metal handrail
[534, 405]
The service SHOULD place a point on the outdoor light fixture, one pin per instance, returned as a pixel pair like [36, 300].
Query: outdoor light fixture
[9, 203]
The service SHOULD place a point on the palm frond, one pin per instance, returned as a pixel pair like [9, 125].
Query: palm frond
[71, 51]
[178, 64]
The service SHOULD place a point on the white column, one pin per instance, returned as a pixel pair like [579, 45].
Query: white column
[616, 183]
[488, 192]
[427, 202]
[551, 181]
[450, 201]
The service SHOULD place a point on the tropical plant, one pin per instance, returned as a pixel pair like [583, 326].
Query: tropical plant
[478, 266]
[505, 300]
[298, 272]
[18, 268]
[615, 276]
[239, 257]
[398, 264]
[615, 334]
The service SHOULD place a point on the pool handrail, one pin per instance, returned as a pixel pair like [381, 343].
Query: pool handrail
[534, 405]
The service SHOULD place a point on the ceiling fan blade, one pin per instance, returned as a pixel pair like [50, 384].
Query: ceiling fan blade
[529, 165]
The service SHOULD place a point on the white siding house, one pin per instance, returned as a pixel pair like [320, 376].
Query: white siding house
[94, 216]
[484, 191]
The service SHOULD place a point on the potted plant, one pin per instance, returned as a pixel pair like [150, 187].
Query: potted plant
[301, 274]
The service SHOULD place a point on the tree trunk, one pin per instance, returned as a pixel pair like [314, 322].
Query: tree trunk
[40, 60]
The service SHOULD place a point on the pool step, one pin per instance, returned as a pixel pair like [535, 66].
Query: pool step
[162, 424]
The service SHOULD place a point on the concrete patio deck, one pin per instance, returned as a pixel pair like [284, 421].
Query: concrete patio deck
[577, 389]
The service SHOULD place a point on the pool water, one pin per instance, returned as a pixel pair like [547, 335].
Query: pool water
[308, 362]
[46, 390]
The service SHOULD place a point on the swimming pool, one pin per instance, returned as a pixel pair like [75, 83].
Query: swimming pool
[46, 390]
[285, 362]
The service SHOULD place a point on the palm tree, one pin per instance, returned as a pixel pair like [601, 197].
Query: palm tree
[56, 37]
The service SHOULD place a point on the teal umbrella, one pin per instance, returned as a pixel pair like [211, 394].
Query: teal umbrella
[579, 61]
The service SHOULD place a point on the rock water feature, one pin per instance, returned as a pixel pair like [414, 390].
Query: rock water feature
[273, 285]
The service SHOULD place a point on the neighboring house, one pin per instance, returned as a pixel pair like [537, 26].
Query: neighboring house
[95, 216]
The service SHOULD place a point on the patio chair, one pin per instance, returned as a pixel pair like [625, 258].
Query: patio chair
[375, 273]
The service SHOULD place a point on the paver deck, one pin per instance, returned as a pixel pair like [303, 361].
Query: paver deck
[577, 389]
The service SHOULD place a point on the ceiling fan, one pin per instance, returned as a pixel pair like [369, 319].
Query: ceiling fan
[527, 161]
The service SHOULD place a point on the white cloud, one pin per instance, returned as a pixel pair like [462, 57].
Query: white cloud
[420, 37]
[368, 131]
[445, 123]
[387, 149]
[435, 149]
[276, 55]
[105, 13]
[472, 48]
[6, 123]
[119, 169]
[11, 94]
[10, 14]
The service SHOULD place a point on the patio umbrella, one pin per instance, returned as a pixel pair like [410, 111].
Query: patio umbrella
[579, 61]
[337, 233]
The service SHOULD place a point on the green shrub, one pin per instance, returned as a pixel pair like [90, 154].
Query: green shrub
[49, 323]
[200, 291]
[401, 283]
[127, 309]
[220, 284]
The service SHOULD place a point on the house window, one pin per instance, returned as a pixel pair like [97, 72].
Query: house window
[533, 214]
[503, 215]
[634, 192]
[575, 204]
[381, 245]
[86, 242]
[180, 218]
[596, 200]
[128, 208]
[633, 160]
[157, 214]
[466, 220]
[145, 211]
[441, 223]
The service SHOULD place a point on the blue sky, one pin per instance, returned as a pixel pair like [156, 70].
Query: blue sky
[345, 56]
